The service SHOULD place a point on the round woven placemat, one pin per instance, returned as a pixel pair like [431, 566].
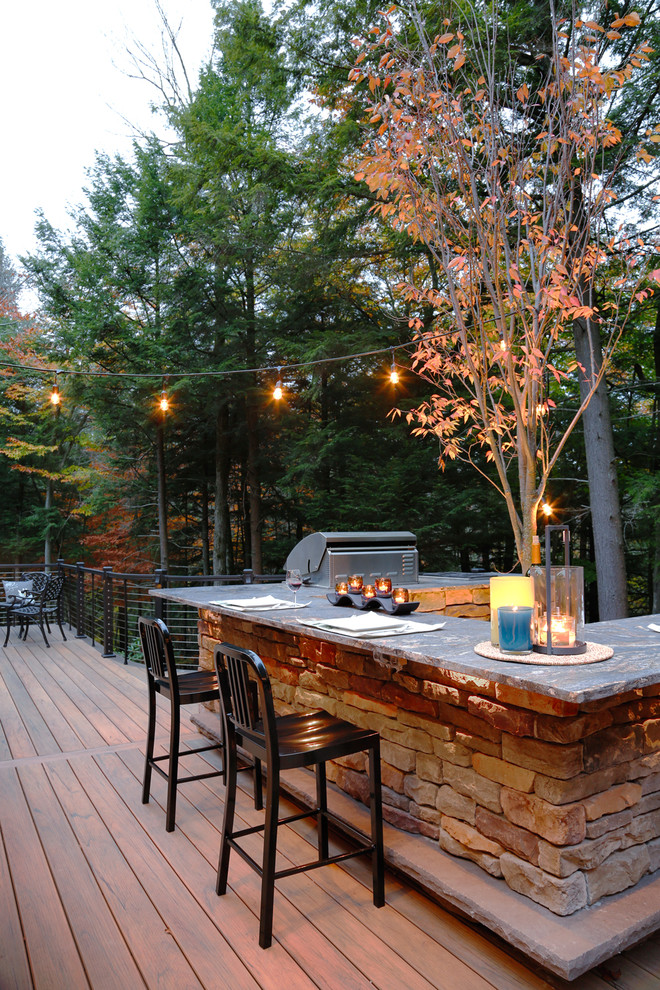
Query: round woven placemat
[595, 653]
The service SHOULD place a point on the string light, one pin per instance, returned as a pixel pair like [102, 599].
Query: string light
[394, 374]
[164, 402]
[547, 509]
[55, 397]
[278, 391]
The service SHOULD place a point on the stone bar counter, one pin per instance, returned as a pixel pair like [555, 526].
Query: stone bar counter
[546, 777]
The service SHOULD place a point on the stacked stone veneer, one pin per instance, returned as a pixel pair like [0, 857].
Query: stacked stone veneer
[560, 800]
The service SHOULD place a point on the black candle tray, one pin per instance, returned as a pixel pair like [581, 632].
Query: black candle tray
[364, 604]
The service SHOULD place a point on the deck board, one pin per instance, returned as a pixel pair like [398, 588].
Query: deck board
[95, 893]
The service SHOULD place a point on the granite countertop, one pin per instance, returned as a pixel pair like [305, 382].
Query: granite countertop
[636, 660]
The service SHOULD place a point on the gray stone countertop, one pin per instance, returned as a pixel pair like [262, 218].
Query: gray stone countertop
[636, 660]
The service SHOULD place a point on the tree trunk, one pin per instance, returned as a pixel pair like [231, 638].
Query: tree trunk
[204, 523]
[254, 484]
[655, 589]
[222, 549]
[602, 476]
[162, 495]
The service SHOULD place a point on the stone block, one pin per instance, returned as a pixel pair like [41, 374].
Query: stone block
[643, 828]
[398, 756]
[456, 805]
[338, 679]
[621, 870]
[654, 855]
[491, 864]
[535, 702]
[401, 819]
[471, 784]
[516, 840]
[425, 814]
[563, 825]
[651, 783]
[429, 768]
[394, 799]
[651, 735]
[609, 802]
[471, 683]
[516, 721]
[608, 823]
[405, 701]
[586, 855]
[470, 837]
[421, 791]
[432, 726]
[549, 759]
[479, 744]
[566, 791]
[570, 730]
[637, 711]
[562, 896]
[411, 684]
[504, 773]
[370, 687]
[649, 803]
[368, 704]
[306, 679]
[313, 700]
[452, 752]
[444, 692]
[391, 777]
[618, 744]
[352, 663]
[460, 718]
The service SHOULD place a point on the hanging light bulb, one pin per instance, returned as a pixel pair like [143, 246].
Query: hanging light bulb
[278, 391]
[164, 402]
[394, 374]
[55, 397]
[547, 509]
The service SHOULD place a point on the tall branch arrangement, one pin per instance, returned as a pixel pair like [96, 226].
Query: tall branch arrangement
[502, 169]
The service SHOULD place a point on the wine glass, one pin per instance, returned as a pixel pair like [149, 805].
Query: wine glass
[294, 581]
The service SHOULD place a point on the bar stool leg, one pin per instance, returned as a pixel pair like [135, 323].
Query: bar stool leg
[322, 811]
[228, 816]
[151, 733]
[375, 803]
[173, 771]
[270, 853]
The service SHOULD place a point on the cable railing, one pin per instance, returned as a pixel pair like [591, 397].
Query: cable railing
[103, 605]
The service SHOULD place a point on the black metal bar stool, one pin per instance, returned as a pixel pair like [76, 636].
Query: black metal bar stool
[182, 688]
[281, 743]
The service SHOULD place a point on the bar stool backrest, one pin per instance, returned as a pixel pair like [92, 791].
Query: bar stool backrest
[157, 649]
[247, 698]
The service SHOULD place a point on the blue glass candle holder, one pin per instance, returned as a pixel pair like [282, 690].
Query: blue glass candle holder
[515, 628]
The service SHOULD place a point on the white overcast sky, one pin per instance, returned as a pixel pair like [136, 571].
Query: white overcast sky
[63, 96]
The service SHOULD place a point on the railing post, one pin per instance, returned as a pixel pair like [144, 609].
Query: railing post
[248, 575]
[80, 599]
[160, 605]
[108, 613]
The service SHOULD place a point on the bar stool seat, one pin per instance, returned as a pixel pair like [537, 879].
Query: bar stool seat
[281, 743]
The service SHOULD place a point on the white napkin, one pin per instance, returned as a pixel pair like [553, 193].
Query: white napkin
[370, 625]
[653, 626]
[255, 604]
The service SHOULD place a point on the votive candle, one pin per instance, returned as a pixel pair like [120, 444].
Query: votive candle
[355, 582]
[341, 587]
[400, 595]
[515, 628]
[384, 586]
[508, 589]
[368, 591]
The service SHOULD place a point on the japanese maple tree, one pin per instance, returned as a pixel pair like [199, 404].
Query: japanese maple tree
[503, 168]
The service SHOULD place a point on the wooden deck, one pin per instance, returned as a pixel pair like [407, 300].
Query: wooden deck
[94, 892]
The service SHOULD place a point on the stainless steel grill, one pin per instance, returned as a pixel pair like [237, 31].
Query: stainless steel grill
[325, 558]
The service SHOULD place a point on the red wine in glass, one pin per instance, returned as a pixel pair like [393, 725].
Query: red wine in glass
[294, 581]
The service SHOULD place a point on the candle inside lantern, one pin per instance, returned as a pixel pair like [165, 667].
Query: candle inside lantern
[515, 628]
[368, 591]
[400, 595]
[383, 586]
[509, 589]
[562, 630]
[341, 587]
[355, 582]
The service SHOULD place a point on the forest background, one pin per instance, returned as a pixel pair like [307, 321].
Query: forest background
[246, 251]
